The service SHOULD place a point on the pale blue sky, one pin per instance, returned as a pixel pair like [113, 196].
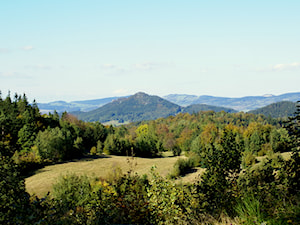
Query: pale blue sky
[77, 50]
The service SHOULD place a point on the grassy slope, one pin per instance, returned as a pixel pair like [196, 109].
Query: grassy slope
[42, 181]
[285, 156]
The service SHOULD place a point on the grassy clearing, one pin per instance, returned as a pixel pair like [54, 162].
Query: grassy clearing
[41, 182]
[285, 156]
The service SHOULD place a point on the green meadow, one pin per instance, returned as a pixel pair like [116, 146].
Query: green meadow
[41, 182]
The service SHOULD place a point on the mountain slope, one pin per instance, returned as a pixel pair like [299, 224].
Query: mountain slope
[203, 107]
[137, 107]
[141, 107]
[240, 104]
[277, 110]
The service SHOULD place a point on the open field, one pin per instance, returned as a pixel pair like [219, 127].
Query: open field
[285, 156]
[41, 182]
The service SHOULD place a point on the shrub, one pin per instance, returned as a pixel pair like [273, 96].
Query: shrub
[72, 190]
[99, 147]
[120, 200]
[248, 159]
[249, 210]
[170, 203]
[182, 167]
[176, 150]
[265, 181]
[93, 150]
[265, 149]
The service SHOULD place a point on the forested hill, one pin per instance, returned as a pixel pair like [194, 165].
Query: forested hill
[277, 110]
[140, 107]
[203, 107]
[240, 104]
[137, 107]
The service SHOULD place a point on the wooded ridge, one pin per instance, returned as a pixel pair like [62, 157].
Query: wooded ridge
[141, 107]
[240, 104]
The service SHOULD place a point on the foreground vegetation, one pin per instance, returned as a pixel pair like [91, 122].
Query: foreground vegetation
[225, 145]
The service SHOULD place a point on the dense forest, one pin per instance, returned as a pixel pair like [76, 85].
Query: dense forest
[246, 178]
[277, 110]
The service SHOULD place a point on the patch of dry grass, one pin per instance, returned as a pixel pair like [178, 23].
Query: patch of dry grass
[41, 182]
[285, 156]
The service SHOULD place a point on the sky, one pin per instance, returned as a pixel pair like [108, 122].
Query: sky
[89, 49]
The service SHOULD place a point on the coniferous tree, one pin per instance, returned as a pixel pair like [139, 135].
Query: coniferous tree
[222, 160]
[293, 165]
[14, 200]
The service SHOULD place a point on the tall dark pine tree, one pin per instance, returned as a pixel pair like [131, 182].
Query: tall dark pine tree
[293, 126]
[14, 200]
[293, 165]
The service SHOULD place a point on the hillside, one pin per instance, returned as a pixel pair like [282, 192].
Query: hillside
[137, 107]
[140, 107]
[41, 182]
[240, 104]
[277, 110]
[203, 107]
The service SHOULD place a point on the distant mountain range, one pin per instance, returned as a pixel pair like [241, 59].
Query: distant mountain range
[142, 106]
[277, 110]
[240, 104]
[84, 106]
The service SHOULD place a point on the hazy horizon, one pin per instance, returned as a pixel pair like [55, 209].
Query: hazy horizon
[162, 96]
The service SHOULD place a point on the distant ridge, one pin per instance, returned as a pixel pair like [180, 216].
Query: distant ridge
[84, 105]
[245, 104]
[277, 110]
[240, 104]
[203, 107]
[140, 107]
[137, 107]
